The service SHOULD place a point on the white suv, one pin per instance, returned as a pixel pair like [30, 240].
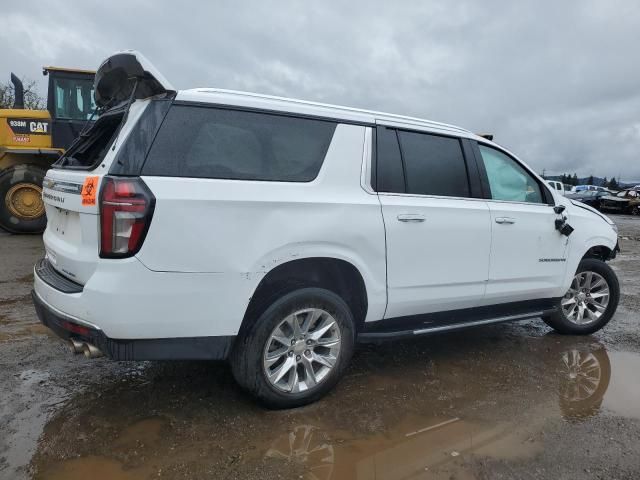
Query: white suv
[210, 224]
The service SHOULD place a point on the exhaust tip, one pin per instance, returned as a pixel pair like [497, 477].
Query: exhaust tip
[75, 346]
[90, 351]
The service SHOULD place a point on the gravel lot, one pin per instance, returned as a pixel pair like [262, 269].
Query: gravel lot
[506, 401]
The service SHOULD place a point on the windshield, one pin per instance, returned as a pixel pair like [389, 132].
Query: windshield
[73, 98]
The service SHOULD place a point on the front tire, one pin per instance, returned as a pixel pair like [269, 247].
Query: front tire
[21, 205]
[590, 302]
[297, 350]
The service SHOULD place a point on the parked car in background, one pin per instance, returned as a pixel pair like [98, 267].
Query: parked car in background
[589, 197]
[582, 188]
[558, 186]
[274, 233]
[626, 201]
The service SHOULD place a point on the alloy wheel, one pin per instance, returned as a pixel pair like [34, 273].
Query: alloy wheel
[587, 298]
[302, 350]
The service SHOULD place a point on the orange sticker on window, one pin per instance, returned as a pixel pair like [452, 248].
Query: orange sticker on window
[89, 190]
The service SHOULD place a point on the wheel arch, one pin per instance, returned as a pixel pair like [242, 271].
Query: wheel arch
[601, 246]
[334, 274]
[601, 252]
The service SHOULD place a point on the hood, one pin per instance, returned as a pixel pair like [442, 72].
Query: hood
[592, 210]
[117, 75]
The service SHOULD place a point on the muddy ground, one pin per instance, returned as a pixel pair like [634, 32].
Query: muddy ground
[506, 401]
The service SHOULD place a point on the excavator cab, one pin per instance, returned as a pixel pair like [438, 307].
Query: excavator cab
[70, 102]
[32, 140]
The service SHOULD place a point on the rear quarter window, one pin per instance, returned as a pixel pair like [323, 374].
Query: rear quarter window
[205, 142]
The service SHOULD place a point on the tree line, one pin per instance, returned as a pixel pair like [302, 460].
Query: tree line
[569, 179]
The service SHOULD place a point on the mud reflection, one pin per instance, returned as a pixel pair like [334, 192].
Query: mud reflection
[405, 410]
[307, 446]
[583, 372]
[584, 379]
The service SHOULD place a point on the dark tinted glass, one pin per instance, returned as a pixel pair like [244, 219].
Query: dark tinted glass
[216, 143]
[389, 172]
[133, 151]
[434, 165]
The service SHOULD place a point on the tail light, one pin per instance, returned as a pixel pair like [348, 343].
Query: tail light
[126, 208]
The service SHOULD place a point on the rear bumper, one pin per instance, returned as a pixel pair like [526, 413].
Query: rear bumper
[126, 300]
[183, 348]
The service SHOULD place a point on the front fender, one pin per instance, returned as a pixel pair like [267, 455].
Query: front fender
[579, 248]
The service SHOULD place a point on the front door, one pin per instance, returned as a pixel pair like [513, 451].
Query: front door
[528, 254]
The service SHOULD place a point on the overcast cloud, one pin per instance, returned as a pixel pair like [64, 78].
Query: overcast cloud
[556, 82]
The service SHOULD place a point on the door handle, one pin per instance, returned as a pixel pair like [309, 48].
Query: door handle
[507, 220]
[411, 218]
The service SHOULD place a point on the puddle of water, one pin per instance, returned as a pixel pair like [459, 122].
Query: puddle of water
[405, 410]
[144, 433]
[24, 427]
[95, 468]
[623, 393]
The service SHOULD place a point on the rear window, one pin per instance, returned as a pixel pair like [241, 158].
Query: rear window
[89, 149]
[205, 142]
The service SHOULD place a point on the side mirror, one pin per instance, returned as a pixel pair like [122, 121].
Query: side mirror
[559, 209]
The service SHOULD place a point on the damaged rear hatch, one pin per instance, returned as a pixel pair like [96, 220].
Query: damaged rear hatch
[124, 86]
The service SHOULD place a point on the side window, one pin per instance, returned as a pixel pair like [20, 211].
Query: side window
[389, 171]
[434, 165]
[507, 179]
[204, 142]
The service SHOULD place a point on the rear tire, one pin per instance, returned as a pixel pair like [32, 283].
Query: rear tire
[309, 361]
[590, 302]
[21, 205]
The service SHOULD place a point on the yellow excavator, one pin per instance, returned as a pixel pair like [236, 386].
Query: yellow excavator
[31, 140]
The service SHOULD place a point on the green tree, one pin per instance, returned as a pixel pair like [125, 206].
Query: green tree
[32, 99]
[574, 179]
[605, 182]
[613, 184]
[590, 181]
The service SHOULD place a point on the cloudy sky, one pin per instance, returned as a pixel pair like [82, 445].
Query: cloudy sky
[556, 82]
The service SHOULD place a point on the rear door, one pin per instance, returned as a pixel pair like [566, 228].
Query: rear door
[528, 254]
[437, 229]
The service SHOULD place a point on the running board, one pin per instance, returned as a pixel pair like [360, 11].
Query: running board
[449, 327]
